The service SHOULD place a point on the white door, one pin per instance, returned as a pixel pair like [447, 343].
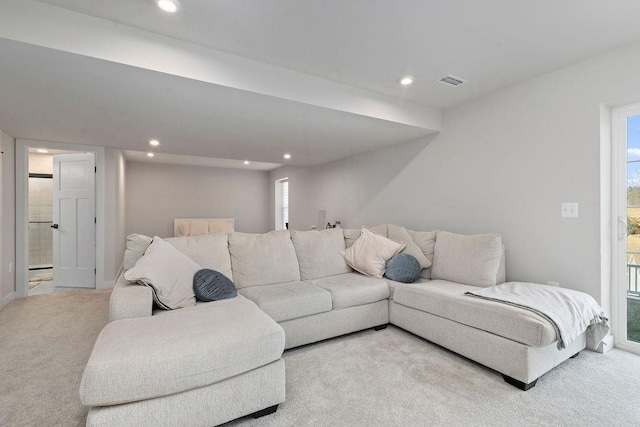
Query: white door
[626, 131]
[74, 220]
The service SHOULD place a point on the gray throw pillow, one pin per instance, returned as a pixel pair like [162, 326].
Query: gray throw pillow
[403, 268]
[211, 285]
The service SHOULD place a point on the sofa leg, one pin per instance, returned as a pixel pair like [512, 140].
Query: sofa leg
[575, 355]
[519, 384]
[381, 327]
[267, 411]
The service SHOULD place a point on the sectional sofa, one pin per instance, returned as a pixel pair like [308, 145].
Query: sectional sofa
[213, 362]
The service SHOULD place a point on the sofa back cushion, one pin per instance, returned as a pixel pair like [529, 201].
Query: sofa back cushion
[470, 260]
[352, 234]
[263, 259]
[209, 251]
[426, 241]
[318, 253]
[137, 244]
[400, 234]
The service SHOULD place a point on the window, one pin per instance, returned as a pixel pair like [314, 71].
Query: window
[282, 204]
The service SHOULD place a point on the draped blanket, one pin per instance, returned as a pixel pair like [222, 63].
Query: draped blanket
[570, 312]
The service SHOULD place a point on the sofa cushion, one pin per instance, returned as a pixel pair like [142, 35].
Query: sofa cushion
[318, 253]
[137, 244]
[168, 272]
[211, 285]
[351, 289]
[350, 236]
[144, 358]
[263, 259]
[400, 234]
[393, 285]
[471, 260]
[403, 268]
[286, 301]
[426, 241]
[209, 251]
[448, 300]
[370, 253]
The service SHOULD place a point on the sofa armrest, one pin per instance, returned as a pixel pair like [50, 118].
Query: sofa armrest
[129, 300]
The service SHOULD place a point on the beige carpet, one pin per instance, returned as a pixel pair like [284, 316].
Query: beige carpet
[45, 341]
[385, 378]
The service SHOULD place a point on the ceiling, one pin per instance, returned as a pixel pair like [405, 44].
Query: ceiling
[261, 78]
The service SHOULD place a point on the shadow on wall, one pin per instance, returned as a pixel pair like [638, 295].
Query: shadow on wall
[348, 189]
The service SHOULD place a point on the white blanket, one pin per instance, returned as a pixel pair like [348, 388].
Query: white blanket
[570, 312]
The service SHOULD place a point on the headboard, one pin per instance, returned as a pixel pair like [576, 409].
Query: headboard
[200, 226]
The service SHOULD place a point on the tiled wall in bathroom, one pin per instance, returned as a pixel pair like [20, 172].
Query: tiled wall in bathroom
[40, 212]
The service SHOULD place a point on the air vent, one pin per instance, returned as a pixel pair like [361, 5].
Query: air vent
[452, 80]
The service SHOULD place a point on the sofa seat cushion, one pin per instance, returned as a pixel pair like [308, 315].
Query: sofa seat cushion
[145, 358]
[447, 300]
[393, 285]
[351, 289]
[286, 301]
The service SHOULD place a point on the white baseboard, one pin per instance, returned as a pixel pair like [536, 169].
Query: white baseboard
[106, 285]
[7, 299]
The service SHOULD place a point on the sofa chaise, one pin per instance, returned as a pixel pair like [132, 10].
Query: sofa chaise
[295, 288]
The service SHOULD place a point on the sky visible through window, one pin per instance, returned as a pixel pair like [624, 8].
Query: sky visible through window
[633, 151]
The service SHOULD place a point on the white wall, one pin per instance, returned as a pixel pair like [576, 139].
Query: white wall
[503, 164]
[158, 193]
[7, 219]
[114, 213]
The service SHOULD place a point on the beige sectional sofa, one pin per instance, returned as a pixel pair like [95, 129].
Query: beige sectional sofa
[297, 286]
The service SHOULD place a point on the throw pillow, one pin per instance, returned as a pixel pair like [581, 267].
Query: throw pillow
[137, 244]
[400, 234]
[370, 253]
[211, 285]
[168, 272]
[403, 268]
[470, 260]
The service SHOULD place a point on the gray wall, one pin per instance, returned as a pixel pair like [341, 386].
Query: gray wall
[157, 193]
[7, 219]
[503, 164]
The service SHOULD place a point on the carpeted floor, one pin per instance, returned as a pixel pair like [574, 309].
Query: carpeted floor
[385, 378]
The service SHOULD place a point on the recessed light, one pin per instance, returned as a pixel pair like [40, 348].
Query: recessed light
[150, 154]
[42, 150]
[154, 142]
[406, 81]
[287, 156]
[246, 162]
[170, 6]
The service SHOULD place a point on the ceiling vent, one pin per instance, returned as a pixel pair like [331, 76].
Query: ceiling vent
[451, 80]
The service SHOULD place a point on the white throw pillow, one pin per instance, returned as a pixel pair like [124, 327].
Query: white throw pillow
[400, 234]
[168, 272]
[136, 245]
[470, 260]
[370, 253]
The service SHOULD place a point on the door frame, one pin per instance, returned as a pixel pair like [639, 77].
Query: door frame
[22, 208]
[619, 203]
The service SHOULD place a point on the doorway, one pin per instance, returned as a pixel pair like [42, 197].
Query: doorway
[88, 258]
[61, 215]
[626, 140]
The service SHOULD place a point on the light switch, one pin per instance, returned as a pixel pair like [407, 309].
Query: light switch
[569, 210]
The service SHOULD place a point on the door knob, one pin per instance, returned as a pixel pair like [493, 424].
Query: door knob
[54, 226]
